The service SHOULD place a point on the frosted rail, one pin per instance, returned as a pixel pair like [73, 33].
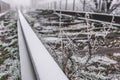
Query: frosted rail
[45, 66]
[26, 66]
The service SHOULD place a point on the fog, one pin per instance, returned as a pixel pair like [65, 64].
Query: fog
[18, 2]
[28, 2]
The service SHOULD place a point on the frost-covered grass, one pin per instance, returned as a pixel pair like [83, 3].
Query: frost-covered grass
[9, 52]
[84, 52]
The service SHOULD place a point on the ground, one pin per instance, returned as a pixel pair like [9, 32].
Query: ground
[9, 52]
[83, 50]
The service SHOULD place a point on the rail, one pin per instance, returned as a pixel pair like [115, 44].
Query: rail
[44, 65]
[25, 62]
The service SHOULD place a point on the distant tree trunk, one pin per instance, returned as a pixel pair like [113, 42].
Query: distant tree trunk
[73, 5]
[60, 4]
[55, 5]
[109, 2]
[96, 4]
[105, 6]
[66, 4]
[100, 5]
[84, 4]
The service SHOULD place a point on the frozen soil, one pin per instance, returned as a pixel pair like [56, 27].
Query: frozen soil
[83, 51]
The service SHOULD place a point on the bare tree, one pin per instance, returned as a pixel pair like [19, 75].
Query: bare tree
[73, 5]
[55, 5]
[66, 4]
[105, 6]
[84, 2]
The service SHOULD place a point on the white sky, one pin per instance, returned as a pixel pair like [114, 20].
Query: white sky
[56, 0]
[22, 2]
[27, 2]
[18, 2]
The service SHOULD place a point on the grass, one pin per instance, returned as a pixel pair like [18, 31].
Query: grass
[5, 77]
[3, 57]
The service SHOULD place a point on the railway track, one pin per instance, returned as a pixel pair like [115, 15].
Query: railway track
[62, 52]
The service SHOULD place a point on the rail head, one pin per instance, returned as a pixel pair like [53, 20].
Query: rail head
[45, 66]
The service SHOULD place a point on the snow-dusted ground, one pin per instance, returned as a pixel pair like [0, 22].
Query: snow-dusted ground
[9, 52]
[70, 47]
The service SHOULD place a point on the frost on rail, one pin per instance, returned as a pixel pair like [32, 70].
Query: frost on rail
[45, 66]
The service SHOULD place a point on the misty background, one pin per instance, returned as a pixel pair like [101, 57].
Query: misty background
[38, 3]
[52, 4]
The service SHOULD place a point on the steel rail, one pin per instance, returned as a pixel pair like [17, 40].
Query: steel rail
[27, 71]
[44, 65]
